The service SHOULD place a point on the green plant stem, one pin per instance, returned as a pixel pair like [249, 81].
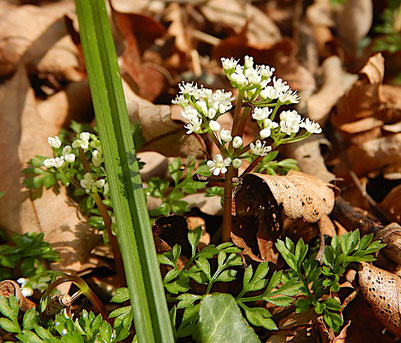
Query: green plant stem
[107, 223]
[237, 112]
[84, 288]
[118, 260]
[244, 119]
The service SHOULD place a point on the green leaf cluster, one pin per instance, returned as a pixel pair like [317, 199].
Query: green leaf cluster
[391, 41]
[26, 255]
[270, 166]
[183, 184]
[319, 280]
[87, 328]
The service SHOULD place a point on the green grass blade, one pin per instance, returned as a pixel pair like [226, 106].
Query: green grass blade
[151, 318]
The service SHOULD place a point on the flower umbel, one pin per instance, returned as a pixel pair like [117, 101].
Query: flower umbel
[219, 164]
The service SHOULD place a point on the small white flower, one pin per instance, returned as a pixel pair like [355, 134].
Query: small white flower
[280, 85]
[261, 113]
[80, 143]
[63, 332]
[311, 126]
[228, 64]
[269, 93]
[180, 100]
[194, 125]
[87, 182]
[248, 61]
[189, 88]
[290, 122]
[70, 158]
[226, 135]
[99, 183]
[84, 136]
[48, 163]
[214, 126]
[211, 113]
[26, 291]
[54, 142]
[219, 164]
[289, 97]
[189, 113]
[203, 106]
[237, 163]
[67, 150]
[237, 142]
[266, 71]
[269, 124]
[260, 149]
[265, 133]
[253, 76]
[59, 162]
[239, 79]
[106, 188]
[97, 158]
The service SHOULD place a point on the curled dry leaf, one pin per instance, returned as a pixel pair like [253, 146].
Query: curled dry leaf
[259, 29]
[301, 195]
[320, 104]
[353, 22]
[309, 157]
[391, 236]
[261, 200]
[139, 32]
[24, 135]
[372, 155]
[37, 37]
[382, 290]
[392, 204]
[10, 287]
[161, 132]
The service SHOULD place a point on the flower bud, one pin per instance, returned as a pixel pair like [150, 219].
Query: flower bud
[214, 126]
[54, 142]
[226, 135]
[237, 142]
[237, 163]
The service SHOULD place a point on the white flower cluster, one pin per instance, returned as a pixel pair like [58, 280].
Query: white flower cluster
[89, 184]
[66, 156]
[291, 122]
[28, 286]
[255, 79]
[202, 105]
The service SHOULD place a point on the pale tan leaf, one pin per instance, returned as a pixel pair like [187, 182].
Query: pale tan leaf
[261, 31]
[302, 195]
[392, 204]
[309, 157]
[374, 69]
[24, 135]
[160, 131]
[37, 37]
[354, 22]
[374, 154]
[382, 290]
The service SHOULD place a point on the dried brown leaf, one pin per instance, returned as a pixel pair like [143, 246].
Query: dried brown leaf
[37, 37]
[302, 195]
[320, 104]
[24, 135]
[392, 203]
[382, 290]
[162, 133]
[309, 157]
[354, 22]
[259, 29]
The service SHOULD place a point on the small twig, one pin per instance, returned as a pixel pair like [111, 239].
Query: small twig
[348, 299]
[252, 166]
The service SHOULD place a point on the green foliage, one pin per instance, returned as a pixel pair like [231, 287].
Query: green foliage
[26, 255]
[270, 166]
[217, 314]
[183, 185]
[220, 264]
[321, 280]
[87, 328]
[391, 41]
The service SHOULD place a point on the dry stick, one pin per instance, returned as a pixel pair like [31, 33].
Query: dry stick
[107, 223]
